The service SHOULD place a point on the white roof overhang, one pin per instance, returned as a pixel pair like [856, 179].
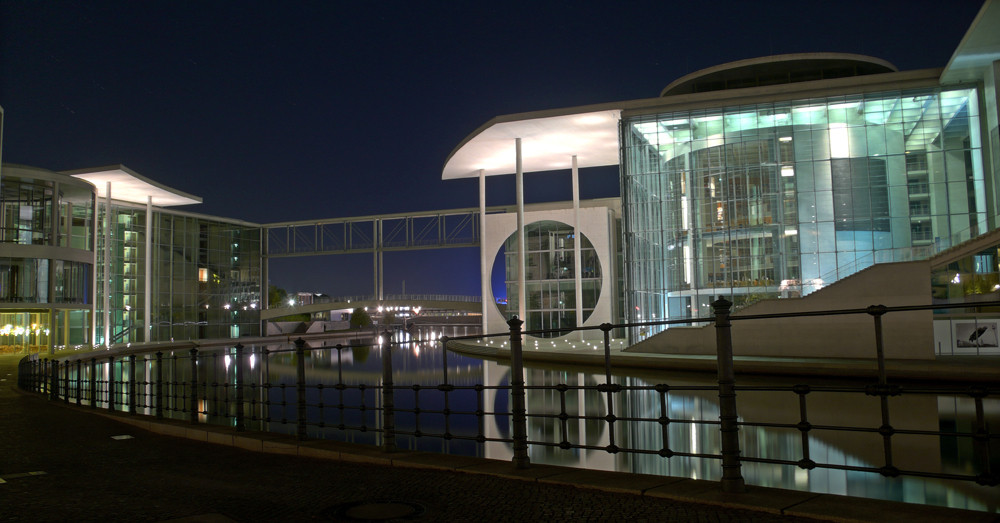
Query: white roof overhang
[979, 49]
[130, 186]
[549, 140]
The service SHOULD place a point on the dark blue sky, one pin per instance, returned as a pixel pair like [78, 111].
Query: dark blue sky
[298, 110]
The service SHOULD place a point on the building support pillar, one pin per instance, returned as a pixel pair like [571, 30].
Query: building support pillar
[577, 238]
[106, 313]
[147, 313]
[485, 278]
[522, 293]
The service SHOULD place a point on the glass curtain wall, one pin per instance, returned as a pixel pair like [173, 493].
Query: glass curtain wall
[45, 301]
[550, 276]
[205, 278]
[780, 199]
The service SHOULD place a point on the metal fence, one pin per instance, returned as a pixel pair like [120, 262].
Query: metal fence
[233, 387]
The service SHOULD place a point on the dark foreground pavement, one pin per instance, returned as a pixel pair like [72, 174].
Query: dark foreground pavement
[62, 463]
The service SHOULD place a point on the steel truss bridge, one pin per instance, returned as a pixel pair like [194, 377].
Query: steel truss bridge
[376, 234]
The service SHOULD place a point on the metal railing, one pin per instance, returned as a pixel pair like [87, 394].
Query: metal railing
[234, 387]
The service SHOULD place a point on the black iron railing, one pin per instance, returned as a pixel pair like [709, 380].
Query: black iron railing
[234, 386]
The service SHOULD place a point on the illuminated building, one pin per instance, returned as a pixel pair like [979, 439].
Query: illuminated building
[765, 178]
[98, 256]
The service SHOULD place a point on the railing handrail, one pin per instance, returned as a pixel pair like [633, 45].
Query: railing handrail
[54, 378]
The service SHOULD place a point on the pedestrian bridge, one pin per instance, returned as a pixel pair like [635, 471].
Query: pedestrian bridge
[424, 301]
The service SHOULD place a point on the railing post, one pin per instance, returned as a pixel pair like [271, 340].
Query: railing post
[79, 380]
[517, 410]
[131, 384]
[388, 405]
[240, 421]
[53, 379]
[93, 383]
[886, 430]
[65, 387]
[877, 311]
[300, 386]
[159, 384]
[193, 412]
[111, 383]
[732, 479]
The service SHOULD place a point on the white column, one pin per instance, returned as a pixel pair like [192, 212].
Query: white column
[95, 231]
[381, 265]
[147, 314]
[577, 238]
[107, 266]
[375, 258]
[521, 278]
[484, 264]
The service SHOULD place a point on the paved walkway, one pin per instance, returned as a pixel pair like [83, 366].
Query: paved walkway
[61, 463]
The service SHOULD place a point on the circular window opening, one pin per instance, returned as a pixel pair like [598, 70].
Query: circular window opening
[550, 278]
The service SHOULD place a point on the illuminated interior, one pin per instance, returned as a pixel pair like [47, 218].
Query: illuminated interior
[780, 199]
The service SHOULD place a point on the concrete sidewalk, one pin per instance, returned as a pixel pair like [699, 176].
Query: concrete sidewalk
[61, 462]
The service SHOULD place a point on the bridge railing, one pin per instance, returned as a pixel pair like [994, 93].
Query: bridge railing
[236, 386]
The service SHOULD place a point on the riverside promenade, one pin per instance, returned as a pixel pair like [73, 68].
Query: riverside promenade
[60, 462]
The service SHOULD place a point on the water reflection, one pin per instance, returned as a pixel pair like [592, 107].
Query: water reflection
[351, 414]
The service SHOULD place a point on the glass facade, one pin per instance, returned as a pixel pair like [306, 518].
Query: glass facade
[550, 276]
[205, 283]
[780, 199]
[45, 301]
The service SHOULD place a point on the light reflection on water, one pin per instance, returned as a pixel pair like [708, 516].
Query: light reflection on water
[424, 365]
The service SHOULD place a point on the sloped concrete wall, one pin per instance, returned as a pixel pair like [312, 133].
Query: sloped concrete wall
[907, 335]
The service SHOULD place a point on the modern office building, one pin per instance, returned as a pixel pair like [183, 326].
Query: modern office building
[98, 256]
[762, 178]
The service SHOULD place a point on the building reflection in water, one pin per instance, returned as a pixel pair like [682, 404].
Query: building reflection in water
[273, 408]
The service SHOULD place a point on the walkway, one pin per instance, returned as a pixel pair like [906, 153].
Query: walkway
[60, 462]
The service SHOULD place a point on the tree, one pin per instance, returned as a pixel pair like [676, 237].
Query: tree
[360, 318]
[276, 296]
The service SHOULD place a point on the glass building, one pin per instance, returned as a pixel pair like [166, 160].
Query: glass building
[87, 259]
[46, 260]
[771, 177]
[780, 198]
[205, 277]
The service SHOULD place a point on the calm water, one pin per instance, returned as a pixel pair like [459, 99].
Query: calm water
[425, 364]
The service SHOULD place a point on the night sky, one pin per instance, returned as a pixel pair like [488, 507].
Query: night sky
[305, 110]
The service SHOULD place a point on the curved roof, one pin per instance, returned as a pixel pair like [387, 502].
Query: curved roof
[777, 69]
[130, 186]
[549, 139]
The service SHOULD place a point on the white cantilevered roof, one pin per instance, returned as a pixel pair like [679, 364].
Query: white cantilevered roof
[979, 48]
[130, 186]
[548, 142]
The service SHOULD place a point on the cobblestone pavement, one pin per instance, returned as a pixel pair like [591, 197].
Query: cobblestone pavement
[59, 464]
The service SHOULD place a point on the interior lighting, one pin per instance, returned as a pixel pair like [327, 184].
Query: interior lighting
[957, 278]
[839, 141]
[668, 123]
[785, 139]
